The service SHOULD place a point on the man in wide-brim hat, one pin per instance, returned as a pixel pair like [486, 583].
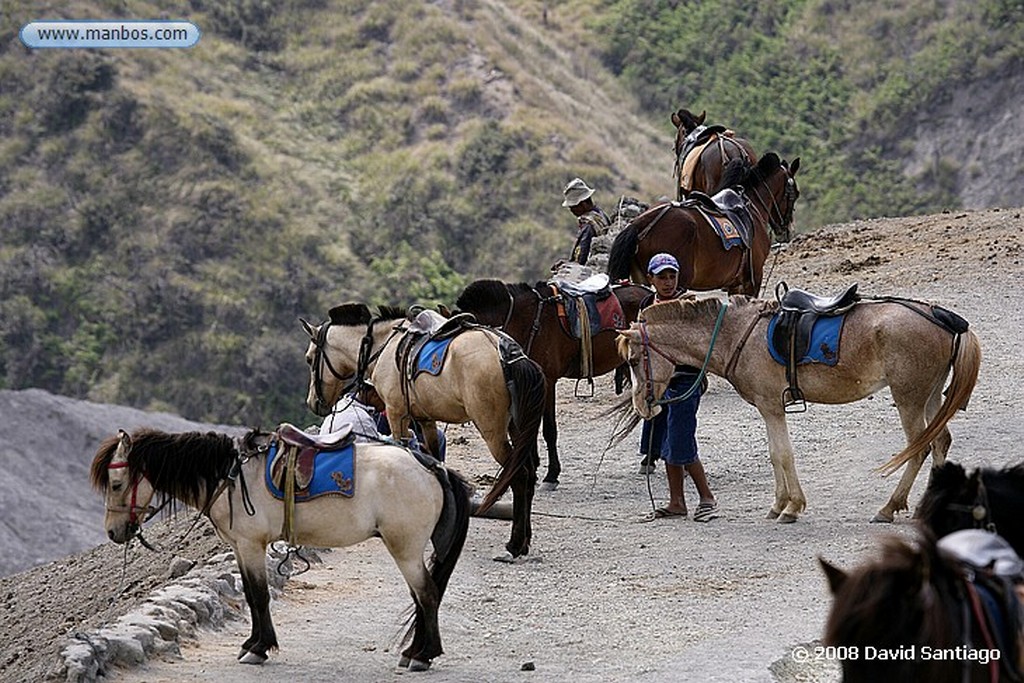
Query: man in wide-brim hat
[592, 220]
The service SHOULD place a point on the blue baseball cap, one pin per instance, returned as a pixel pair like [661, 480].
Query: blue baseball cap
[660, 262]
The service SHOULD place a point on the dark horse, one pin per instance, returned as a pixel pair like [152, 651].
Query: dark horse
[718, 147]
[987, 498]
[770, 192]
[927, 611]
[530, 316]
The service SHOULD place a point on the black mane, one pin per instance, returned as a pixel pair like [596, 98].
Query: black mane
[483, 295]
[186, 466]
[741, 173]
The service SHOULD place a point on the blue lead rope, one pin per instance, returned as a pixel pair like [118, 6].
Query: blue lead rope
[703, 369]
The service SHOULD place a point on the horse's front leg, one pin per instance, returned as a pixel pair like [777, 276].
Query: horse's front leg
[551, 438]
[789, 497]
[401, 424]
[251, 558]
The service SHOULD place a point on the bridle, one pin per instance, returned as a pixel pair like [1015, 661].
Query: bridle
[367, 356]
[133, 509]
[979, 510]
[779, 219]
[535, 326]
[646, 346]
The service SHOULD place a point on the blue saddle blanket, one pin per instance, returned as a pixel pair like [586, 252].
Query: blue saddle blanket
[431, 356]
[824, 346]
[333, 474]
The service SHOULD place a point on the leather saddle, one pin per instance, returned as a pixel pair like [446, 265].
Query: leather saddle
[729, 204]
[308, 446]
[799, 310]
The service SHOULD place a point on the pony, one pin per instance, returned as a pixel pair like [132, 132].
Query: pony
[719, 147]
[529, 314]
[395, 498]
[894, 343]
[770, 192]
[987, 498]
[926, 610]
[503, 398]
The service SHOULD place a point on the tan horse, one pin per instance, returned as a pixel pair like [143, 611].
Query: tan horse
[883, 344]
[473, 386]
[395, 498]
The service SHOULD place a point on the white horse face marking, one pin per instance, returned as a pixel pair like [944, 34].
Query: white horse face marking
[126, 501]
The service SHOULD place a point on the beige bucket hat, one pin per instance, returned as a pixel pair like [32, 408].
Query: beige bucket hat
[575, 192]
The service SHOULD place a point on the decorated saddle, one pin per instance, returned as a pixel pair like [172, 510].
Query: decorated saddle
[590, 309]
[311, 465]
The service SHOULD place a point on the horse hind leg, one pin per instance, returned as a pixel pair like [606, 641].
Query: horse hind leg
[426, 635]
[912, 417]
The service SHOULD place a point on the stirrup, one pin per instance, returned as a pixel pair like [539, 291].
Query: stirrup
[576, 390]
[793, 400]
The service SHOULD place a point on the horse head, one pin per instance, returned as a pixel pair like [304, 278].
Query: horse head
[771, 183]
[649, 372]
[325, 387]
[954, 500]
[127, 491]
[685, 122]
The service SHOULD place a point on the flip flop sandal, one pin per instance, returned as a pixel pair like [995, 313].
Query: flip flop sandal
[661, 513]
[705, 512]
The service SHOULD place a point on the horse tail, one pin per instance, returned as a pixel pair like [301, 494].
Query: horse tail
[620, 258]
[526, 385]
[453, 526]
[965, 364]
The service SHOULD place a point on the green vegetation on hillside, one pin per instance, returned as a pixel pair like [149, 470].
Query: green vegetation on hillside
[167, 215]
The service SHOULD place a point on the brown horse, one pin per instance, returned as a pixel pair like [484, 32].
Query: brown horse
[530, 316]
[717, 147]
[943, 611]
[483, 380]
[892, 343]
[770, 192]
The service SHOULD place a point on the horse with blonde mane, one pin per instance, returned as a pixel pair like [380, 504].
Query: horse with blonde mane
[886, 342]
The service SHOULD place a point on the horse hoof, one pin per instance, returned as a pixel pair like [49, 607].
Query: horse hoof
[403, 662]
[252, 658]
[772, 514]
[786, 518]
[548, 485]
[506, 557]
[882, 519]
[418, 665]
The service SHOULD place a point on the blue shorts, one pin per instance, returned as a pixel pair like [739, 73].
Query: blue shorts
[672, 435]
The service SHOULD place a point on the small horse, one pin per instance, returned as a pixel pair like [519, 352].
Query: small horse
[771, 192]
[504, 400]
[704, 172]
[884, 343]
[988, 498]
[530, 316]
[927, 611]
[394, 498]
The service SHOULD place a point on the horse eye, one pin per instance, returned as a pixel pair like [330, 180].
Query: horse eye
[115, 486]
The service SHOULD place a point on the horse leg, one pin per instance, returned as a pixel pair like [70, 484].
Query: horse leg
[912, 417]
[426, 634]
[252, 566]
[789, 497]
[522, 505]
[551, 439]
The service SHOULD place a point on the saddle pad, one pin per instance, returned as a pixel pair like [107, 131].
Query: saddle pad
[824, 346]
[724, 228]
[431, 356]
[333, 474]
[603, 314]
[690, 162]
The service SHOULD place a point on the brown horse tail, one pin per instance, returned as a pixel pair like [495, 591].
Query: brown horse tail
[526, 386]
[965, 376]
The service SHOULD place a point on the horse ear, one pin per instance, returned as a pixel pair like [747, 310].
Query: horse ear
[700, 119]
[836, 576]
[310, 329]
[125, 442]
[676, 120]
[794, 167]
[444, 310]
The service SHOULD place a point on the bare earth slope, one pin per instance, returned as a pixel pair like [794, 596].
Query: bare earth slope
[602, 597]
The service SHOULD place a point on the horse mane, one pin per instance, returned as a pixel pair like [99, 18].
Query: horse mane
[681, 310]
[186, 466]
[483, 295]
[740, 172]
[390, 313]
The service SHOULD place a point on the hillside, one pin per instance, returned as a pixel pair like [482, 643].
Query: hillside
[167, 215]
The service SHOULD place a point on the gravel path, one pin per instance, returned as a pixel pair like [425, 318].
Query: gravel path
[603, 597]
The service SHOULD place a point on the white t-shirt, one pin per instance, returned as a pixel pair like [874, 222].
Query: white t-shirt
[349, 410]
